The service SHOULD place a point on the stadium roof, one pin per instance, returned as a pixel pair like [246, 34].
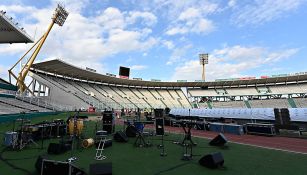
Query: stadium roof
[3, 81]
[60, 67]
[10, 32]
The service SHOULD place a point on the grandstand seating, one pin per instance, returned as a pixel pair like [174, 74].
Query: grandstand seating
[228, 104]
[80, 94]
[270, 103]
[241, 91]
[200, 92]
[286, 89]
[301, 102]
[13, 105]
[280, 96]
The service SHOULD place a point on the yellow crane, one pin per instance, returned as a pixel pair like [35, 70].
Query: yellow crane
[59, 18]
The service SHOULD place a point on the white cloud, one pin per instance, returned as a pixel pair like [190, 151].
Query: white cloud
[84, 38]
[147, 18]
[232, 3]
[231, 62]
[192, 20]
[189, 13]
[138, 67]
[178, 54]
[177, 30]
[169, 44]
[111, 18]
[262, 11]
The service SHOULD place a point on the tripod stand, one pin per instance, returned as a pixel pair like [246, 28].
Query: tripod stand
[160, 132]
[163, 153]
[187, 133]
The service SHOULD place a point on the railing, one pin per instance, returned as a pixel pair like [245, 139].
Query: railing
[44, 103]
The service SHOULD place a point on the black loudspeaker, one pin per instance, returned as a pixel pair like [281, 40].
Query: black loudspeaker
[108, 128]
[160, 126]
[107, 144]
[131, 131]
[101, 169]
[107, 117]
[219, 140]
[120, 136]
[57, 148]
[51, 167]
[212, 161]
[107, 121]
[285, 115]
[277, 114]
[158, 113]
[39, 162]
[167, 110]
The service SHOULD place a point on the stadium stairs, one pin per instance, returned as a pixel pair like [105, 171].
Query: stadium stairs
[292, 103]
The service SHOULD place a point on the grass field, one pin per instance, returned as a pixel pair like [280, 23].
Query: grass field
[127, 159]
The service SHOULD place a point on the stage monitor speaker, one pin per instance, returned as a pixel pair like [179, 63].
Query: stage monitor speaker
[219, 140]
[101, 168]
[131, 131]
[57, 148]
[52, 167]
[160, 126]
[212, 161]
[39, 162]
[120, 136]
[158, 113]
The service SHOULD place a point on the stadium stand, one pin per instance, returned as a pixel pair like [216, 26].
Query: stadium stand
[10, 31]
[16, 106]
[101, 91]
[81, 94]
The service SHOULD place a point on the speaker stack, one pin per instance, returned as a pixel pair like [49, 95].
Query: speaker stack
[158, 112]
[285, 115]
[107, 121]
[159, 126]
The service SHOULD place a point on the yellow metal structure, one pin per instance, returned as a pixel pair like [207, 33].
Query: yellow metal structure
[59, 18]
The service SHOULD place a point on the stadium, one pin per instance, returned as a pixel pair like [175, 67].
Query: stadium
[73, 121]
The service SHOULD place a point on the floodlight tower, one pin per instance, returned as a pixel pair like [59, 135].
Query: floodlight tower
[59, 18]
[203, 60]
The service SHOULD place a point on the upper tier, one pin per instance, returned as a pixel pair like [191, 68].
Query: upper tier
[60, 67]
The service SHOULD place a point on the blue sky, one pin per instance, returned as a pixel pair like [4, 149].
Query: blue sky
[161, 39]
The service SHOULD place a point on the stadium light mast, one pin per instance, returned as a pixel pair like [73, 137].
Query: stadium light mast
[59, 18]
[203, 60]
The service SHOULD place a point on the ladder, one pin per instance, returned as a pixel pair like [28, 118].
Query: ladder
[103, 137]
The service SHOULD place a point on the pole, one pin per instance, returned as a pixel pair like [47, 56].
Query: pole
[203, 74]
[26, 68]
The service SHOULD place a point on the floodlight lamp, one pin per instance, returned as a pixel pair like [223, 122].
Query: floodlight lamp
[203, 59]
[60, 15]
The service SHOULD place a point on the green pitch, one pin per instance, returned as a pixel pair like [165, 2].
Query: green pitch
[127, 159]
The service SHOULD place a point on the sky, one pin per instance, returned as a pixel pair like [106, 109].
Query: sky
[162, 39]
